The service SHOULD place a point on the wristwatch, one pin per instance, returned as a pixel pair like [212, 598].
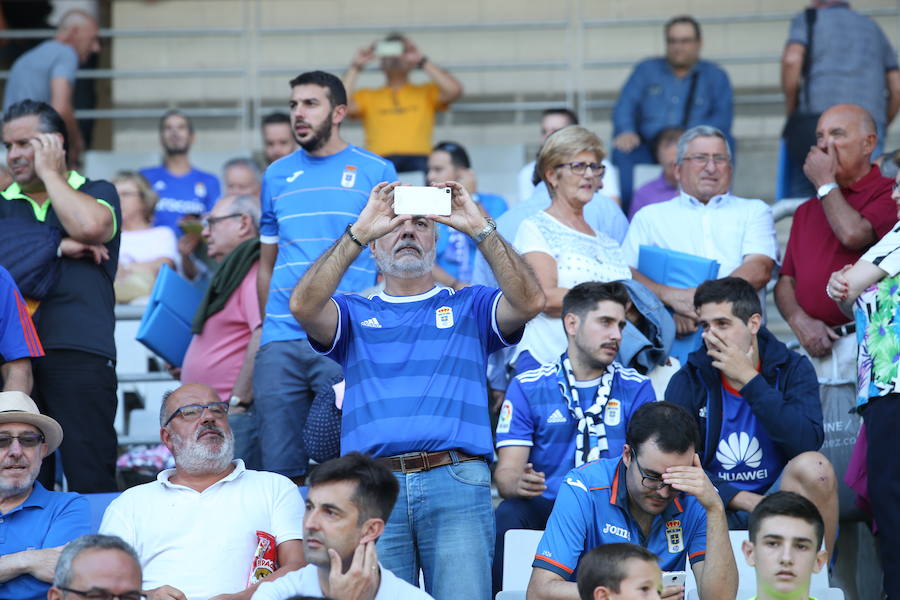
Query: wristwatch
[825, 189]
[489, 228]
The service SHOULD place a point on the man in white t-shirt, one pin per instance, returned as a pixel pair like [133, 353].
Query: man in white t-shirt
[705, 220]
[349, 500]
[198, 528]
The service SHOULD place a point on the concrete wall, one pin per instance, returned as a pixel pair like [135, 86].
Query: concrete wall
[266, 42]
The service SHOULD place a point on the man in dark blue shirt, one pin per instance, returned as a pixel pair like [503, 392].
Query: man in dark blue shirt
[757, 406]
[678, 90]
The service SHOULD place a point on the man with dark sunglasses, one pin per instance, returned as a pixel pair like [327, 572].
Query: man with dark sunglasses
[209, 526]
[35, 523]
[656, 495]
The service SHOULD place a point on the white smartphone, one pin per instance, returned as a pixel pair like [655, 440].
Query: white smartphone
[421, 200]
[388, 48]
[673, 578]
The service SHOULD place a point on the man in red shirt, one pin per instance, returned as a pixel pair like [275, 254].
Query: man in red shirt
[853, 210]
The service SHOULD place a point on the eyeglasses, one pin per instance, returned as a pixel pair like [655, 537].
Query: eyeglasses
[680, 41]
[101, 594]
[210, 221]
[701, 160]
[580, 167]
[192, 412]
[648, 481]
[26, 440]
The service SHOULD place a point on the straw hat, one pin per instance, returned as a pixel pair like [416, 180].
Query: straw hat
[17, 407]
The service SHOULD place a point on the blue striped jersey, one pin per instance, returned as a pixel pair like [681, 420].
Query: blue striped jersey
[535, 414]
[307, 202]
[415, 370]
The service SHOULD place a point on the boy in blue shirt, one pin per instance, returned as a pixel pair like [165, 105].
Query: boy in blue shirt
[757, 406]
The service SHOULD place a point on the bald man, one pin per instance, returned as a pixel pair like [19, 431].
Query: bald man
[47, 71]
[852, 210]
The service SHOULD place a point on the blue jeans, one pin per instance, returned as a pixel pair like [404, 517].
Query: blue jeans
[286, 377]
[443, 523]
[625, 162]
[246, 441]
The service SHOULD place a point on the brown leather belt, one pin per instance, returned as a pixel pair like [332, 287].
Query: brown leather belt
[416, 462]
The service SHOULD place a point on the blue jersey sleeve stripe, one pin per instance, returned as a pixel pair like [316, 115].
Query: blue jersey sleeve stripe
[520, 443]
[698, 556]
[551, 565]
[334, 340]
[268, 239]
[496, 326]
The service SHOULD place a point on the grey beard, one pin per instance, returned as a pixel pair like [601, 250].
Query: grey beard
[405, 269]
[197, 458]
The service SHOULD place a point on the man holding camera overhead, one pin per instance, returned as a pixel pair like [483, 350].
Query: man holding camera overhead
[414, 358]
[398, 118]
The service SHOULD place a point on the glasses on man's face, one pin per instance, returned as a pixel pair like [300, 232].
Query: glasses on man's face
[26, 440]
[210, 221]
[673, 41]
[580, 167]
[648, 481]
[701, 160]
[101, 594]
[192, 412]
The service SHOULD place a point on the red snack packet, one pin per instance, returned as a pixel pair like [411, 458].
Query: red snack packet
[265, 560]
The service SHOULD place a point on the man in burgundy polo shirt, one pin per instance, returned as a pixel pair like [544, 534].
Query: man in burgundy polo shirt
[853, 210]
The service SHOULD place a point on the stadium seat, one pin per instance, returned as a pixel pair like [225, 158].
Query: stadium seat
[98, 504]
[518, 554]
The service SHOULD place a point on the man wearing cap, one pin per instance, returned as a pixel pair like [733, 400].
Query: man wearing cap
[34, 523]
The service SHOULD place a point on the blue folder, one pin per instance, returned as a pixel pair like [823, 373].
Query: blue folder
[680, 270]
[166, 325]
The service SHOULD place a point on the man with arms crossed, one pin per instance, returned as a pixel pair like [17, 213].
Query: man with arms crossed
[416, 398]
[656, 494]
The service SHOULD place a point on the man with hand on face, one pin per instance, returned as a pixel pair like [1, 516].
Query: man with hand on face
[75, 380]
[36, 523]
[785, 546]
[656, 494]
[414, 357]
[760, 401]
[851, 211]
[348, 502]
[308, 199]
[199, 528]
[565, 414]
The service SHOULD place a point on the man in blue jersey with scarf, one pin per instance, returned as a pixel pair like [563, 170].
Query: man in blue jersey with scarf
[414, 358]
[564, 414]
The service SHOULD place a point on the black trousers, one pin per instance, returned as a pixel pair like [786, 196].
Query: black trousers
[78, 389]
[882, 416]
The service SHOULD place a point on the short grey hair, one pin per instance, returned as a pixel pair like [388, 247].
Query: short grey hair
[62, 577]
[162, 407]
[243, 162]
[247, 205]
[698, 132]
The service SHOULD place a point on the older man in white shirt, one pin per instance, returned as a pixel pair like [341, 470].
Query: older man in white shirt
[705, 220]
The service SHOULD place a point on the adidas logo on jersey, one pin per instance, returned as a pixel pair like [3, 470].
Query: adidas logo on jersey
[373, 322]
[739, 448]
[556, 417]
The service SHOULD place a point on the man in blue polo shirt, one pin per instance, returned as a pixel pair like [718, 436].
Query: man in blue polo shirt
[565, 414]
[757, 406]
[655, 495]
[34, 523]
[308, 199]
[416, 398]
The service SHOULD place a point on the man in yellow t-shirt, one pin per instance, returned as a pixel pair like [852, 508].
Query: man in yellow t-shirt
[398, 118]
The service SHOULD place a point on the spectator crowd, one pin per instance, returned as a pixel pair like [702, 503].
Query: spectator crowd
[358, 378]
